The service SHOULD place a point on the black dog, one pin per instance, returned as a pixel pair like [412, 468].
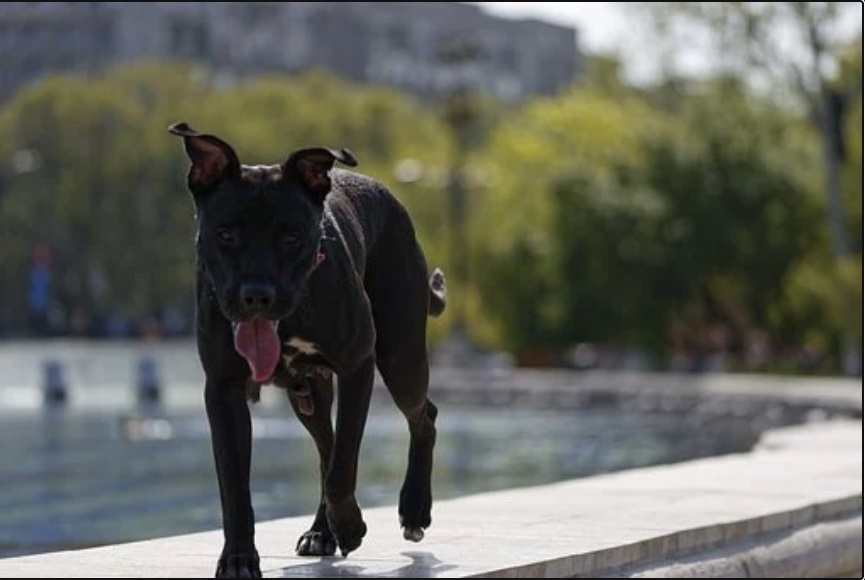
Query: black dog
[305, 271]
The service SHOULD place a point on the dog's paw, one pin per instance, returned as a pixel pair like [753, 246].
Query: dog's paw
[315, 543]
[347, 525]
[244, 565]
[350, 540]
[412, 534]
[415, 516]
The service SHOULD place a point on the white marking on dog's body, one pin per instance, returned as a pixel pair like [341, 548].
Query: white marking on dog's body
[302, 346]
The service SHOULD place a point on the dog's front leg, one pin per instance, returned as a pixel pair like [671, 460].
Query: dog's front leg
[231, 436]
[343, 513]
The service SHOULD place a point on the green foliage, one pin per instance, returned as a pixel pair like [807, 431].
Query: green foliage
[850, 74]
[741, 209]
[517, 261]
[630, 227]
[108, 190]
[101, 191]
[689, 218]
[564, 227]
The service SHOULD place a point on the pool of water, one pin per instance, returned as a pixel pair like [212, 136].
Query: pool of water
[80, 477]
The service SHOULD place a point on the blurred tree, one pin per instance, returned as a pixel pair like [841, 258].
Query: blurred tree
[849, 74]
[680, 218]
[91, 170]
[741, 210]
[625, 226]
[797, 47]
[105, 190]
[518, 228]
[605, 75]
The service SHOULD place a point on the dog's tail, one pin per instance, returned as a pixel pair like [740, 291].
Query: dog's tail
[437, 293]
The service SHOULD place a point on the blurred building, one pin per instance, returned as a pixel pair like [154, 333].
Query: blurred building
[394, 43]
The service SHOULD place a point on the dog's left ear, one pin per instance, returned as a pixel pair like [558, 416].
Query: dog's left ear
[311, 168]
[213, 160]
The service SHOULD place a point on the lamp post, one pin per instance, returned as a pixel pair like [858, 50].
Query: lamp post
[456, 55]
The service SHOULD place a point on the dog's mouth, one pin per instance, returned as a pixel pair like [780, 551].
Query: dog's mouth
[257, 341]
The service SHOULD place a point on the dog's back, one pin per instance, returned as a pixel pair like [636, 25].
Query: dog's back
[378, 232]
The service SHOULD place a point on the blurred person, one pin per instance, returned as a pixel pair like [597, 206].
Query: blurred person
[39, 289]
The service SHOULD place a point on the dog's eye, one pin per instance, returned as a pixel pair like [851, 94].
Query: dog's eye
[289, 240]
[227, 237]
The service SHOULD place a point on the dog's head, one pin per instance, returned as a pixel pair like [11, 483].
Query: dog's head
[258, 227]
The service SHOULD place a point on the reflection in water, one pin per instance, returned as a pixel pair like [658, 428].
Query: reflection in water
[71, 478]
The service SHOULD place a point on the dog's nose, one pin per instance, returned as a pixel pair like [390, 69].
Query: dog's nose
[257, 296]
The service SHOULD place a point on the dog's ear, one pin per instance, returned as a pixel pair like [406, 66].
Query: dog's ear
[311, 167]
[213, 160]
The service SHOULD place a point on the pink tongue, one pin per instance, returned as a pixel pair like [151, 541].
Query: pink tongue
[257, 342]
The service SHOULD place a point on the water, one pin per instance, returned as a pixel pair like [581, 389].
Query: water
[72, 478]
[101, 471]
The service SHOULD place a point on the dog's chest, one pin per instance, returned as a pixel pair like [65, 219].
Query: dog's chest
[301, 367]
[302, 359]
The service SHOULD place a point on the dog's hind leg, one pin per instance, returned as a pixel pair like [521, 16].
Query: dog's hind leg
[318, 540]
[400, 301]
[407, 380]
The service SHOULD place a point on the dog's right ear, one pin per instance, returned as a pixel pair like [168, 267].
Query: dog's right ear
[312, 167]
[213, 160]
